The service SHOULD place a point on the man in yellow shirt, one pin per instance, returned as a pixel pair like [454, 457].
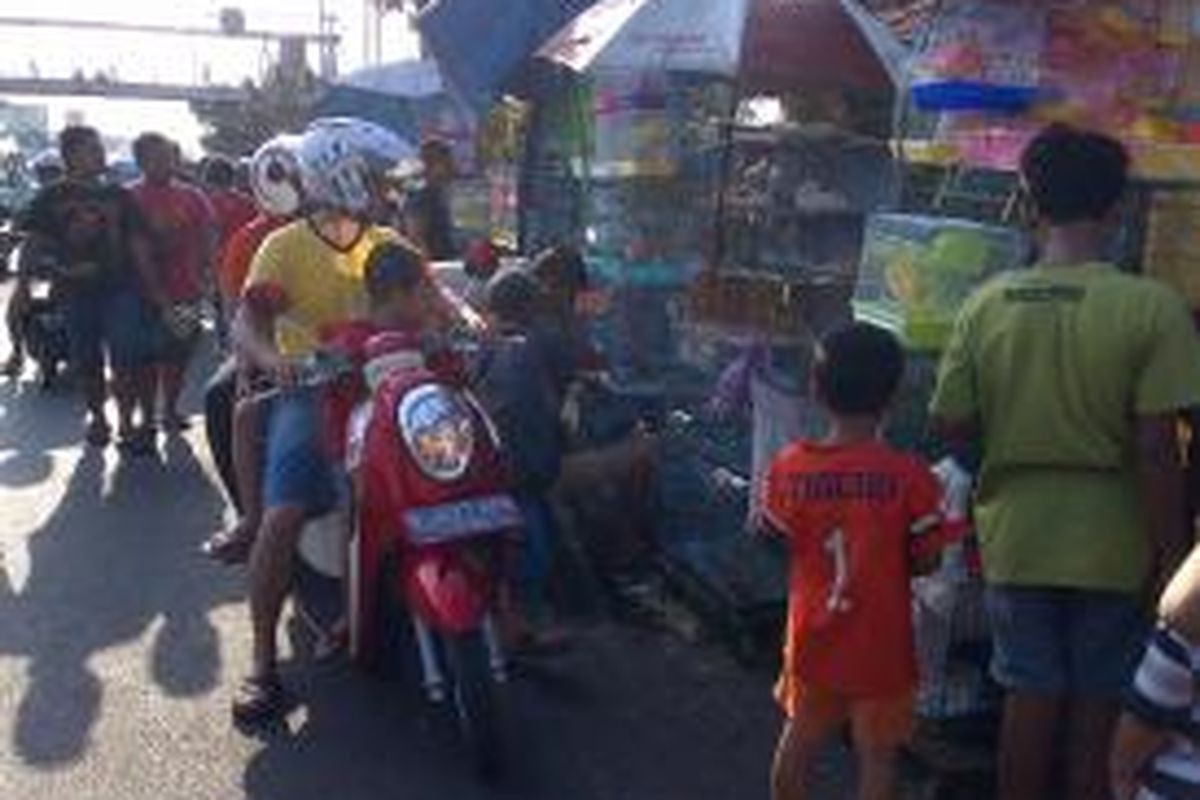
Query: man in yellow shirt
[306, 279]
[1070, 375]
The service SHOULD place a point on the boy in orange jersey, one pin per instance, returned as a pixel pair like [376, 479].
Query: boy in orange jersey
[858, 517]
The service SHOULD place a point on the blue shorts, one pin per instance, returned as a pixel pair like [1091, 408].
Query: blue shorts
[109, 321]
[297, 468]
[1065, 641]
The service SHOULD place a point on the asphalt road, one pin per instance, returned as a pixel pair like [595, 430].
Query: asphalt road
[119, 647]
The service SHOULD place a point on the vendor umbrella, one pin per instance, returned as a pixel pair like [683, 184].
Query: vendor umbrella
[767, 45]
[481, 45]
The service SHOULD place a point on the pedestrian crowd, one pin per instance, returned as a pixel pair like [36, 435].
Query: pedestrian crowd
[1062, 388]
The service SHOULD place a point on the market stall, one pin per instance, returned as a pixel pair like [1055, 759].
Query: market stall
[733, 153]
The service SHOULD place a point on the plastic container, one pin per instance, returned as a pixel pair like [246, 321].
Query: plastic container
[917, 271]
[965, 95]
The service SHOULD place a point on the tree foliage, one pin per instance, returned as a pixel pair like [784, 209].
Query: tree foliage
[282, 103]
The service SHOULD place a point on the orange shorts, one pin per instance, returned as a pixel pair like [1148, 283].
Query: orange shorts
[874, 721]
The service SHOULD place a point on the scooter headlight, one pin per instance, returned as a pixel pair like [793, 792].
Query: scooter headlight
[439, 431]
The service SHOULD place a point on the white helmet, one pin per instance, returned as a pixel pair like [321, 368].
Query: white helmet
[338, 158]
[275, 176]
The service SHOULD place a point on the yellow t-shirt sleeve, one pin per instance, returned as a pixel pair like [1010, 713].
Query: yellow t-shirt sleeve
[956, 397]
[1170, 377]
[267, 284]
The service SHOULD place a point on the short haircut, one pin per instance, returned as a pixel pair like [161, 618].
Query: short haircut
[858, 370]
[220, 172]
[393, 267]
[72, 137]
[561, 266]
[512, 296]
[1074, 175]
[144, 144]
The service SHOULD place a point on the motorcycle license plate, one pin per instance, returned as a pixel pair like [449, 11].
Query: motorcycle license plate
[462, 520]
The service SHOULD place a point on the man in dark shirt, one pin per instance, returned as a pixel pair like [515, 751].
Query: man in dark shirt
[427, 217]
[95, 235]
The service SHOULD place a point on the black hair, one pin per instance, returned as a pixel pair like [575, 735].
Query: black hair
[858, 370]
[561, 266]
[512, 296]
[72, 137]
[219, 171]
[143, 144]
[393, 267]
[1074, 175]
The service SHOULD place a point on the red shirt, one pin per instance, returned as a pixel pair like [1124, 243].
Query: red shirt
[851, 515]
[180, 223]
[238, 254]
[233, 211]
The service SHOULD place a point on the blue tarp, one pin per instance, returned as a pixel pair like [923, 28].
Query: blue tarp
[480, 48]
[398, 114]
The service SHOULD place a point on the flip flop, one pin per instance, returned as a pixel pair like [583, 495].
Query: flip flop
[260, 699]
[228, 547]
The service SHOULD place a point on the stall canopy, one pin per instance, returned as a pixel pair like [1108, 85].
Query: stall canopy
[767, 45]
[481, 47]
[390, 95]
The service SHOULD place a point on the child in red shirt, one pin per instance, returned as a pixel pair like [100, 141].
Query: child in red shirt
[857, 516]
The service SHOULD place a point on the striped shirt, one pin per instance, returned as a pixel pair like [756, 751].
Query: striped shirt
[1164, 696]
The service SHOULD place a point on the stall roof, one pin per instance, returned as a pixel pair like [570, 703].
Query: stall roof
[412, 79]
[791, 43]
[480, 48]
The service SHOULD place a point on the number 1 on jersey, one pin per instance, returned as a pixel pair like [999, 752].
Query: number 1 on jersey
[835, 545]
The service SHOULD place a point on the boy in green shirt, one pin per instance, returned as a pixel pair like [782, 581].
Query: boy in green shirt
[1070, 375]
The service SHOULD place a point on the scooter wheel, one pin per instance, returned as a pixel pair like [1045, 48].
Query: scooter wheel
[474, 701]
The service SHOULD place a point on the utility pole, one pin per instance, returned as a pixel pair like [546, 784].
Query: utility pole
[328, 42]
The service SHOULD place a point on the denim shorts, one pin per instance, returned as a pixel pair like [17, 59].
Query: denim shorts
[1065, 641]
[297, 468]
[106, 321]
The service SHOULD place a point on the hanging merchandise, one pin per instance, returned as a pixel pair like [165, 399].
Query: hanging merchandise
[981, 56]
[917, 271]
[634, 130]
[1172, 241]
[998, 72]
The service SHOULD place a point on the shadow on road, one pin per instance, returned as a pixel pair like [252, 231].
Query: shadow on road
[623, 716]
[110, 561]
[25, 458]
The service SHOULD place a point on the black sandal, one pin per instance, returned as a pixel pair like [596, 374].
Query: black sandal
[259, 699]
[139, 443]
[228, 547]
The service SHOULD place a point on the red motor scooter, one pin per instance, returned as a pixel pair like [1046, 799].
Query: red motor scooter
[418, 554]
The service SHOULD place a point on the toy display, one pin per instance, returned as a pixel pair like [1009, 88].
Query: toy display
[999, 72]
[918, 270]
